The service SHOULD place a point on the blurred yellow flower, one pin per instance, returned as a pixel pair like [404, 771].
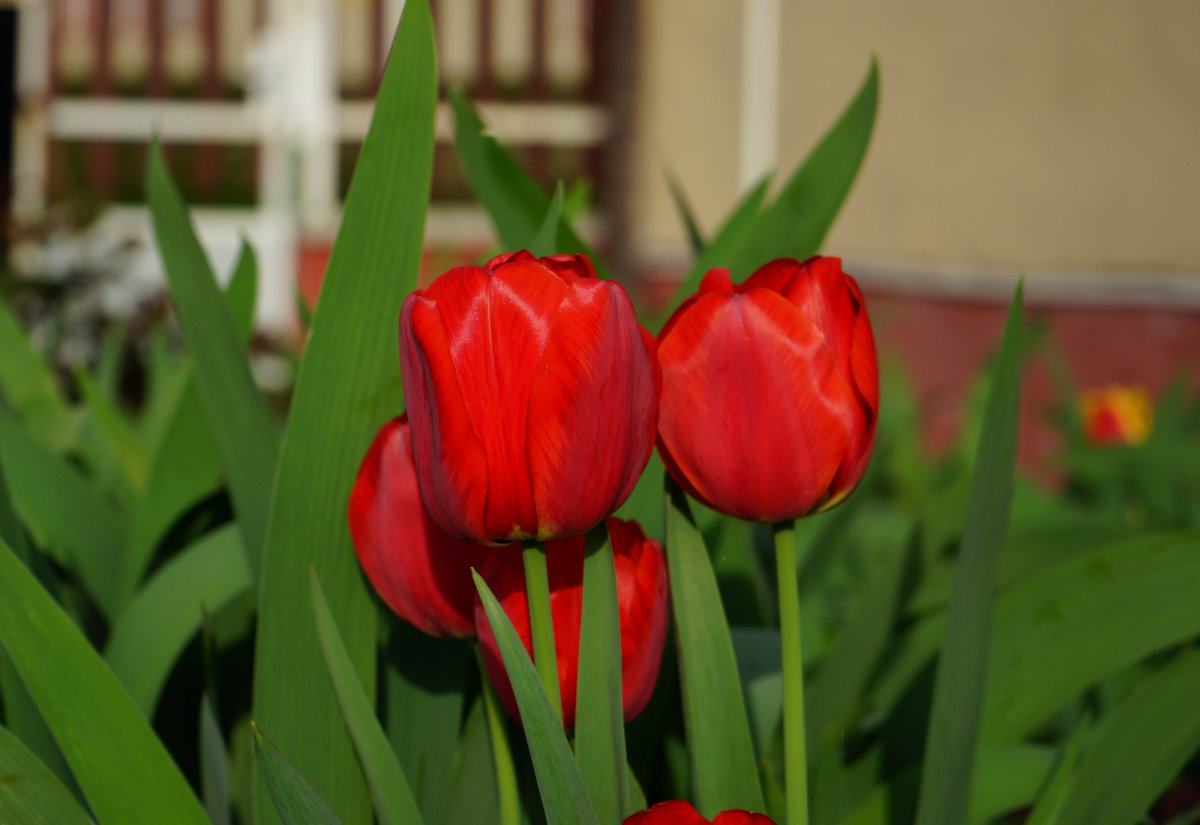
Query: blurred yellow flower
[1116, 414]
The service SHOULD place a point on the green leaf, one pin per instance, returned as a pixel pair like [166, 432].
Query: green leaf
[1004, 778]
[514, 200]
[564, 795]
[28, 386]
[30, 793]
[599, 716]
[242, 291]
[724, 773]
[241, 426]
[718, 252]
[115, 434]
[294, 798]
[473, 796]
[1054, 792]
[1140, 749]
[393, 797]
[796, 223]
[1109, 609]
[122, 768]
[214, 765]
[953, 733]
[684, 208]
[545, 242]
[160, 620]
[77, 528]
[760, 668]
[348, 385]
[423, 681]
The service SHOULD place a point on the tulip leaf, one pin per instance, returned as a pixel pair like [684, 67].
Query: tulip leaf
[721, 249]
[545, 242]
[473, 796]
[124, 771]
[348, 385]
[723, 767]
[77, 528]
[390, 789]
[599, 710]
[243, 433]
[1139, 750]
[515, 202]
[28, 386]
[795, 225]
[423, 683]
[214, 765]
[686, 215]
[953, 732]
[1058, 784]
[30, 793]
[157, 623]
[295, 800]
[1110, 608]
[564, 794]
[1004, 778]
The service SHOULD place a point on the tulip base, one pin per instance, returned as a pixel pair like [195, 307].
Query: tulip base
[541, 621]
[795, 759]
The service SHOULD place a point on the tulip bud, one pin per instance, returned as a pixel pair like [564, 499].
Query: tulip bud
[1116, 415]
[422, 574]
[641, 574]
[678, 812]
[770, 390]
[532, 393]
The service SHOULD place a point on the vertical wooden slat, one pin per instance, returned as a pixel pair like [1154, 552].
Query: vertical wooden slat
[615, 66]
[102, 155]
[208, 155]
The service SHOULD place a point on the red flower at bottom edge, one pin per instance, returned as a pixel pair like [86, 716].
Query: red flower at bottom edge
[678, 812]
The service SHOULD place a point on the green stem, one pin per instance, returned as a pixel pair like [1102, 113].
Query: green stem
[795, 761]
[508, 795]
[541, 622]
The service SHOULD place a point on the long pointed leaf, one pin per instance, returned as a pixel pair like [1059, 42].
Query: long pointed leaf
[953, 733]
[122, 768]
[599, 715]
[796, 223]
[295, 800]
[390, 789]
[349, 383]
[564, 795]
[241, 426]
[157, 624]
[724, 772]
[30, 793]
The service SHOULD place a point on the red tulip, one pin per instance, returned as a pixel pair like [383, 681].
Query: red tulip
[420, 572]
[677, 812]
[642, 606]
[532, 393]
[770, 390]
[1116, 415]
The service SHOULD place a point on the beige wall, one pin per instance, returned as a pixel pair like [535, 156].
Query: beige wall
[1057, 138]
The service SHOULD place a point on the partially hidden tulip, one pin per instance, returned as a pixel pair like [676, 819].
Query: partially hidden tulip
[770, 390]
[641, 575]
[677, 812]
[532, 393]
[421, 573]
[1116, 415]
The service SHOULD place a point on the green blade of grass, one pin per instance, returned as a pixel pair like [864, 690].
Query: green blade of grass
[686, 215]
[599, 714]
[30, 793]
[164, 615]
[348, 385]
[124, 771]
[65, 514]
[241, 426]
[796, 223]
[514, 200]
[545, 240]
[564, 795]
[724, 771]
[295, 800]
[390, 789]
[953, 733]
[1139, 751]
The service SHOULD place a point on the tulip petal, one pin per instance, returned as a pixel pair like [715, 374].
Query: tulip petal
[754, 399]
[450, 460]
[742, 818]
[421, 573]
[643, 603]
[597, 358]
[674, 812]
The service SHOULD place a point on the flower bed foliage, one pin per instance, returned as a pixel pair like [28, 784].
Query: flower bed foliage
[188, 635]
